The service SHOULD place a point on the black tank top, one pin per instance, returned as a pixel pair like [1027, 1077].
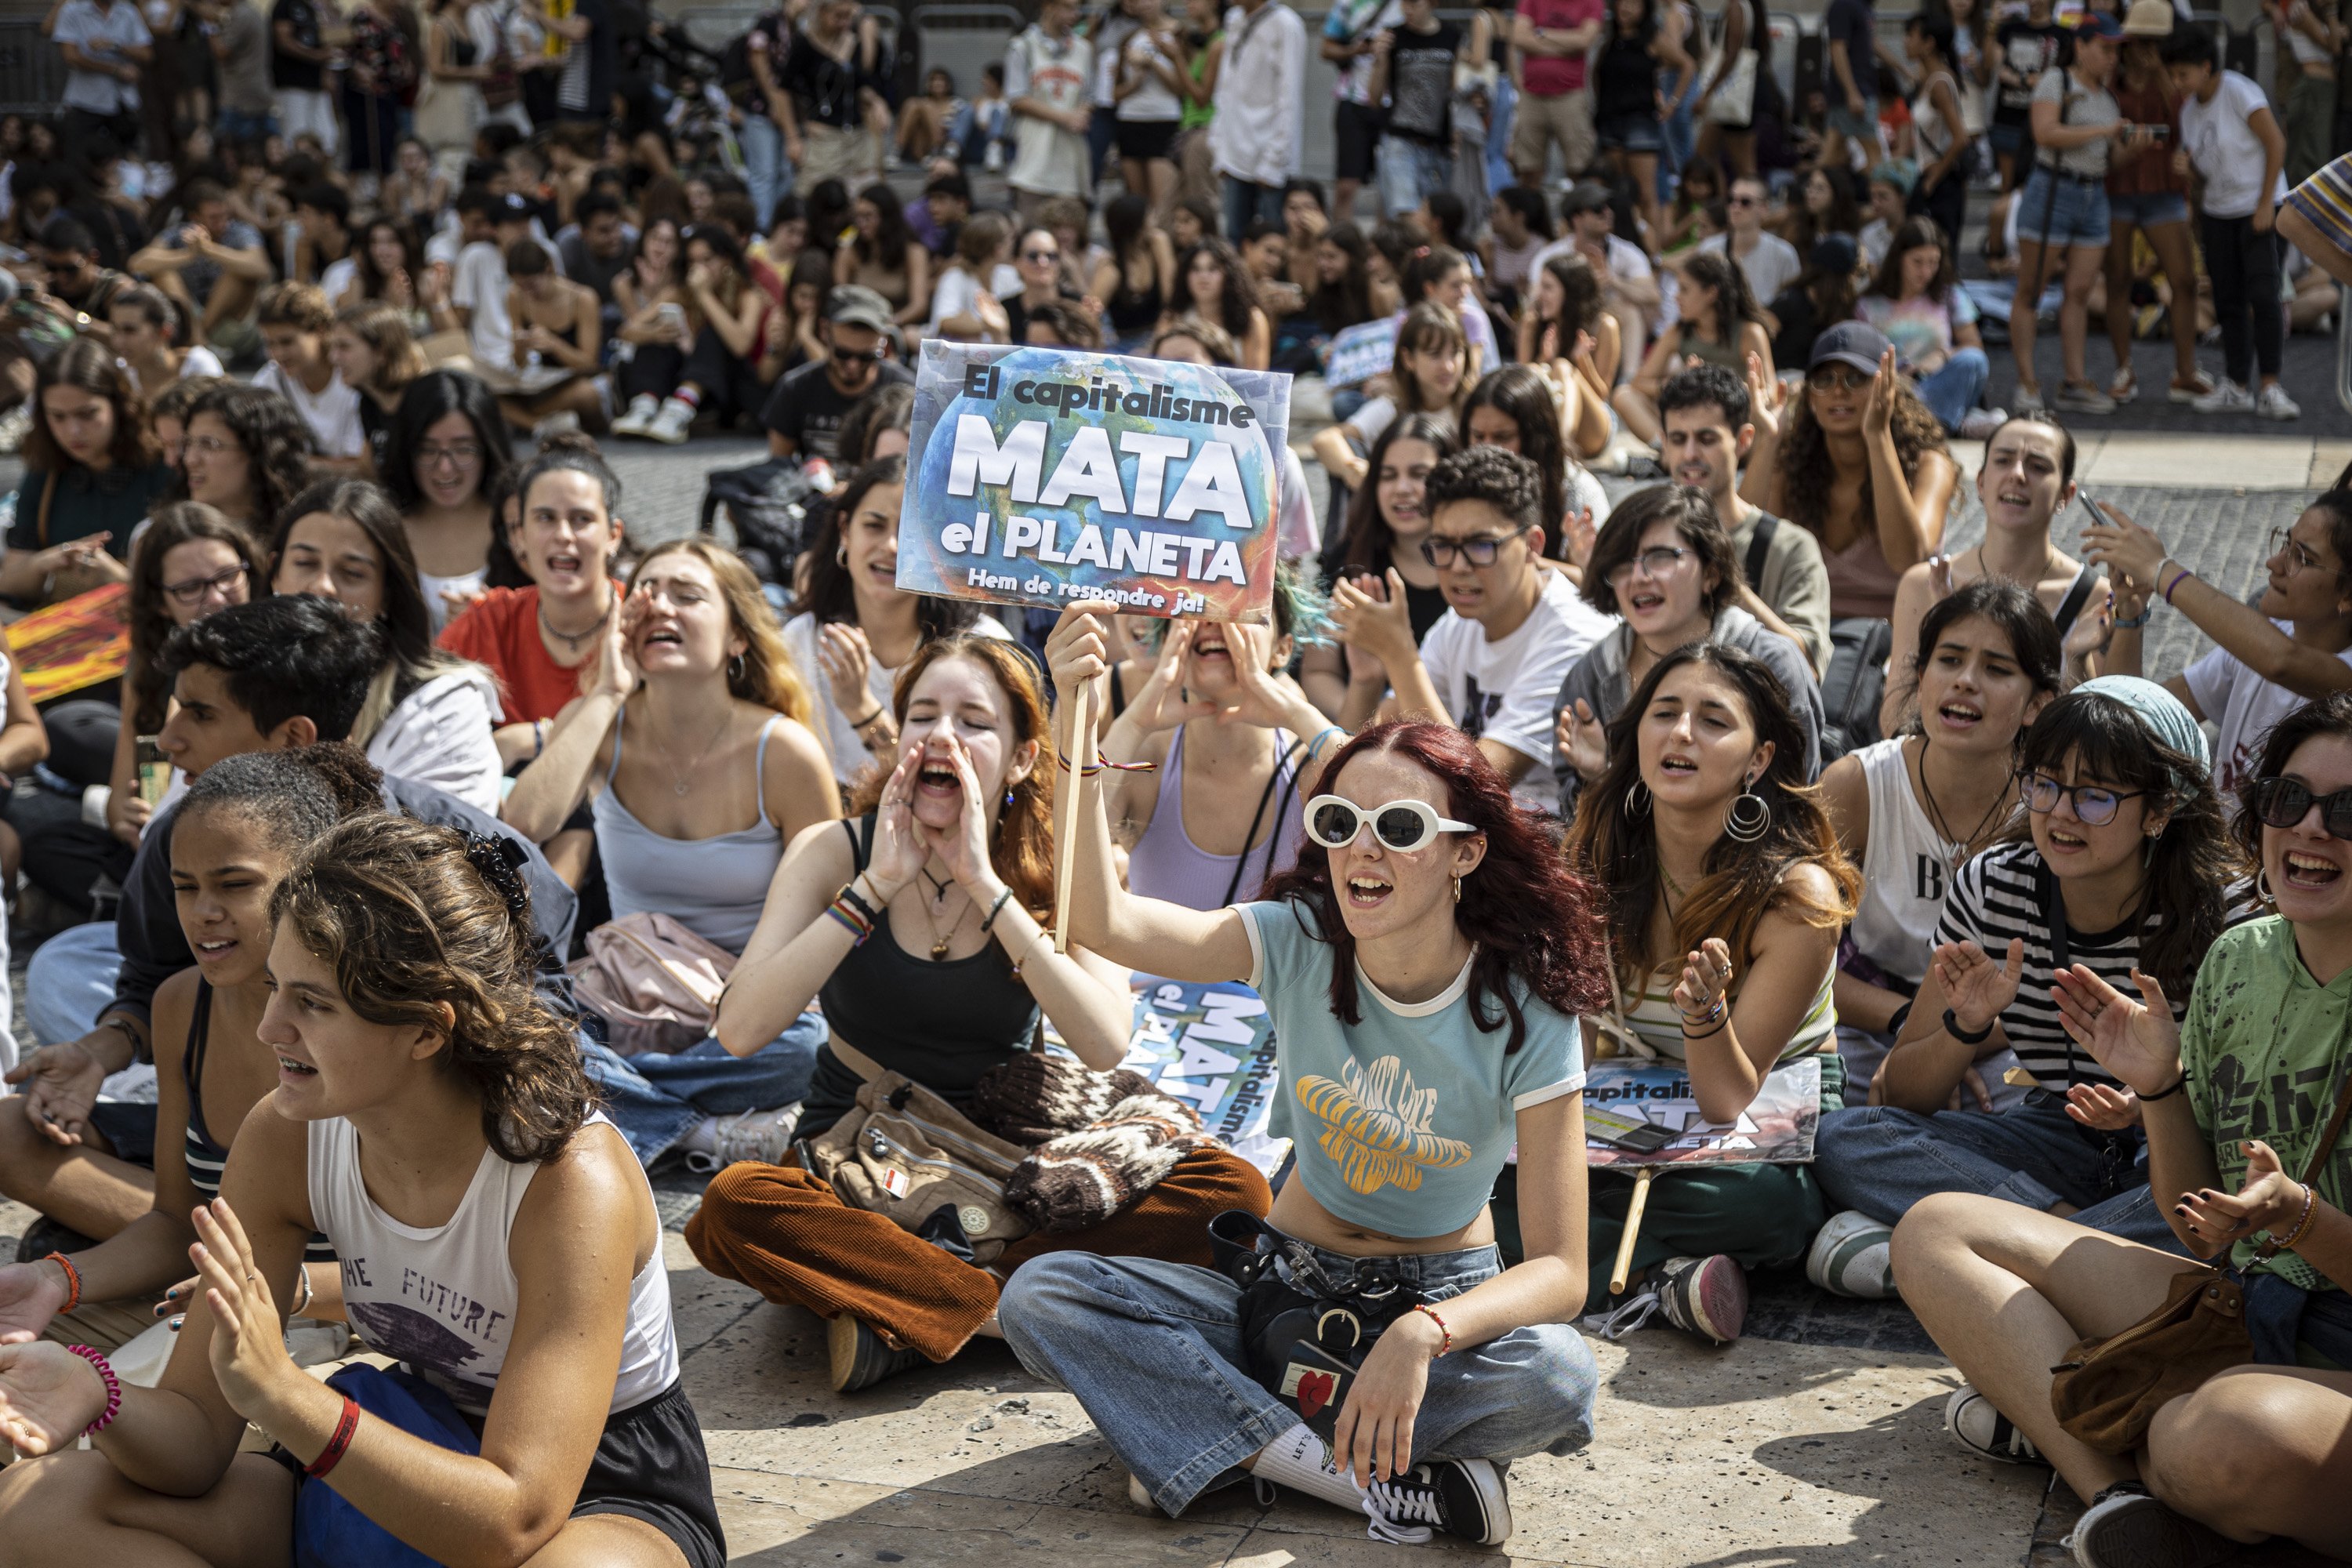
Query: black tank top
[1135, 310]
[941, 1025]
[208, 1158]
[1627, 79]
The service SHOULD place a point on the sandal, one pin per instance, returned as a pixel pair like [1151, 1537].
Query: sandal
[2124, 386]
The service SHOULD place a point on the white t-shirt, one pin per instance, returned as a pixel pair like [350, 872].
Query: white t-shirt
[1771, 266]
[1503, 690]
[480, 286]
[1048, 160]
[2242, 707]
[332, 413]
[2222, 144]
[440, 735]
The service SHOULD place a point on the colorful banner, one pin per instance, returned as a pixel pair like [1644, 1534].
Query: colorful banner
[1777, 1128]
[77, 642]
[1212, 1047]
[1041, 476]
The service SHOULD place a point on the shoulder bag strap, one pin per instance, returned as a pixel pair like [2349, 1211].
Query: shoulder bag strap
[2078, 594]
[2053, 919]
[1759, 547]
[1250, 839]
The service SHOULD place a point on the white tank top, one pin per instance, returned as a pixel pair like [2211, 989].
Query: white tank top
[443, 1300]
[1906, 871]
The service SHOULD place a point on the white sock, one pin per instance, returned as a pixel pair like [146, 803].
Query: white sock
[1297, 1459]
[702, 1138]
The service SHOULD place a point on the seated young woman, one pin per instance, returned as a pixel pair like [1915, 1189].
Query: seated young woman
[1911, 809]
[1664, 563]
[189, 561]
[429, 1117]
[1429, 938]
[1429, 374]
[2125, 868]
[853, 628]
[712, 363]
[2235, 1097]
[1387, 521]
[935, 967]
[1226, 735]
[91, 471]
[1566, 330]
[1725, 892]
[1517, 409]
[694, 722]
[237, 834]
[449, 453]
[2026, 483]
[1720, 324]
[248, 452]
[377, 357]
[429, 716]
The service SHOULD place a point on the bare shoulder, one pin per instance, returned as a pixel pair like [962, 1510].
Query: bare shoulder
[1811, 881]
[172, 1013]
[573, 1198]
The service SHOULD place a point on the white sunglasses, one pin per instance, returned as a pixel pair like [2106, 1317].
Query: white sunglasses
[1402, 824]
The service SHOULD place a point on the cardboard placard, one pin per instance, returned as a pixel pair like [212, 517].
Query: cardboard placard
[1777, 1128]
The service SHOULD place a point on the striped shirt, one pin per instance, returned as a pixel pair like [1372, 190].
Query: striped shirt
[1994, 899]
[2325, 199]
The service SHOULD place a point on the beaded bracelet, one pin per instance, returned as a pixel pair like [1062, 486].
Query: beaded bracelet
[1447, 1342]
[113, 1388]
[330, 1456]
[73, 1279]
[2301, 1226]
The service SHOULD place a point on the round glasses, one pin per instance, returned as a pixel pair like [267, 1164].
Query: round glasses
[2094, 804]
[1654, 563]
[1404, 826]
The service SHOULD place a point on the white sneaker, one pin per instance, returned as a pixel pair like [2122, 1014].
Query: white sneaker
[565, 422]
[1979, 423]
[640, 416]
[2227, 399]
[763, 1136]
[2273, 403]
[1980, 1428]
[1850, 1258]
[670, 425]
[2028, 402]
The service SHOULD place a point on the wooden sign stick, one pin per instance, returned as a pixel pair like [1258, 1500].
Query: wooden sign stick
[1633, 1229]
[1082, 756]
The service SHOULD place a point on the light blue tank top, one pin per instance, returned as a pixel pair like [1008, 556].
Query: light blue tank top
[714, 887]
[1166, 863]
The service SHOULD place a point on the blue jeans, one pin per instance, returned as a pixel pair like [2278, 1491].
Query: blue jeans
[2055, 211]
[653, 1098]
[234, 126]
[1681, 133]
[1882, 1159]
[1498, 135]
[1154, 1352]
[1949, 392]
[1244, 202]
[1410, 171]
[69, 982]
[766, 170]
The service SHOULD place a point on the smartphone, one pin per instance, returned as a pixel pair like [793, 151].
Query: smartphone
[1620, 1131]
[154, 770]
[2095, 506]
[2160, 133]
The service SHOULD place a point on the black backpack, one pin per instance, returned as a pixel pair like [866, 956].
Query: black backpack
[1854, 684]
[769, 503]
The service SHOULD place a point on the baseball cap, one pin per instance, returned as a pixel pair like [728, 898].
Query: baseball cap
[2098, 24]
[1857, 343]
[854, 305]
[1585, 196]
[2149, 19]
[1834, 254]
[509, 208]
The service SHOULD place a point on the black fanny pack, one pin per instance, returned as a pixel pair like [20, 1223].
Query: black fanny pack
[1305, 1336]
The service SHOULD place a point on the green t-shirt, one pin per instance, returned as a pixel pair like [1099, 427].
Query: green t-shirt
[2267, 1047]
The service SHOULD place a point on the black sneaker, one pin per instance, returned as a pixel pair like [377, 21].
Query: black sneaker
[2126, 1528]
[46, 1236]
[860, 1359]
[1705, 1296]
[1461, 1496]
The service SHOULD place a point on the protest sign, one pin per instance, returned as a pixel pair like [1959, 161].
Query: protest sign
[1043, 475]
[1211, 1045]
[1624, 1093]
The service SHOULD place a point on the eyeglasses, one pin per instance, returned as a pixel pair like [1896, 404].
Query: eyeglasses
[2284, 803]
[1741, 201]
[1478, 552]
[2304, 561]
[2094, 804]
[462, 454]
[196, 590]
[1040, 255]
[1404, 825]
[1838, 377]
[861, 356]
[1655, 561]
[210, 445]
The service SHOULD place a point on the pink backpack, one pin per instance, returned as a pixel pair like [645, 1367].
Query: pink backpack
[654, 983]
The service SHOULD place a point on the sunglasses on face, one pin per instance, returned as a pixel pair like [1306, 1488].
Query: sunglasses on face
[1040, 255]
[1402, 824]
[1742, 201]
[196, 589]
[2094, 804]
[2284, 803]
[1480, 551]
[860, 356]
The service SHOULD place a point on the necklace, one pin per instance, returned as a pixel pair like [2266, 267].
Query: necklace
[939, 946]
[684, 782]
[938, 888]
[571, 640]
[2049, 563]
[1959, 848]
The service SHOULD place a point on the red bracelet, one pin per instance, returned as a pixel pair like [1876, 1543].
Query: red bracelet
[73, 1279]
[347, 1424]
[1447, 1344]
[113, 1389]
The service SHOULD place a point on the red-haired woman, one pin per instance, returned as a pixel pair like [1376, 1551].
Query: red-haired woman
[1423, 963]
[948, 864]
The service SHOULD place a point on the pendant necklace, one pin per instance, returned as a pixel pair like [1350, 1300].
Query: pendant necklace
[1957, 848]
[939, 947]
[571, 640]
[684, 782]
[938, 888]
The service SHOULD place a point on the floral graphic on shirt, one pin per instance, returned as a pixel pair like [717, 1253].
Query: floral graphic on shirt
[1376, 1126]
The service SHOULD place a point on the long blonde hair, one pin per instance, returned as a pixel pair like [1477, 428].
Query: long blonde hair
[764, 672]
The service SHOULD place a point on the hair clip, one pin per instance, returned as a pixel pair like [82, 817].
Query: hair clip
[500, 862]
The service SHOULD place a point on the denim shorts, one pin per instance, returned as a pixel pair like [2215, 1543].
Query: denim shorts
[2077, 211]
[2008, 141]
[1862, 127]
[1632, 133]
[2147, 209]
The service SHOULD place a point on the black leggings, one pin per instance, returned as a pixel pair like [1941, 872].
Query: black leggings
[2244, 267]
[729, 383]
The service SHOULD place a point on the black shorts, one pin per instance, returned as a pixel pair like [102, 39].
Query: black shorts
[1357, 130]
[650, 1466]
[1144, 139]
[129, 1128]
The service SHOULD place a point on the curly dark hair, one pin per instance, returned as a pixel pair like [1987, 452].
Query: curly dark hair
[276, 439]
[418, 934]
[1536, 922]
[1239, 296]
[828, 594]
[1694, 520]
[90, 367]
[1496, 475]
[1808, 471]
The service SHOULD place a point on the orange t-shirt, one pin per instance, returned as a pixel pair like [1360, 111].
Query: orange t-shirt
[501, 632]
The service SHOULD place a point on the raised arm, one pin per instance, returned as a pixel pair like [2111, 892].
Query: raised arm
[1730, 1051]
[1909, 511]
[550, 789]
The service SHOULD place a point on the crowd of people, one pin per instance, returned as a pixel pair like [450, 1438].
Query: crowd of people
[518, 857]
